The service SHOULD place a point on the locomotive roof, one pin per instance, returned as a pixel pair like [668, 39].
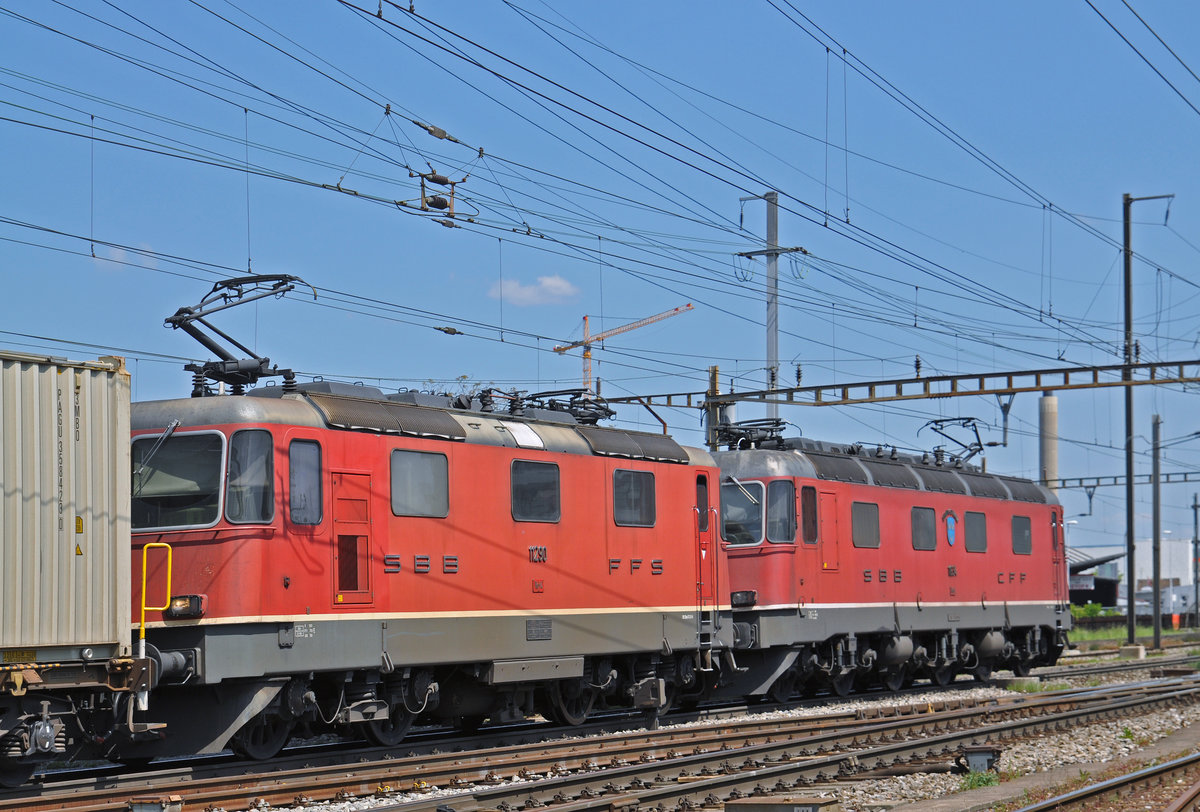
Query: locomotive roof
[814, 459]
[416, 414]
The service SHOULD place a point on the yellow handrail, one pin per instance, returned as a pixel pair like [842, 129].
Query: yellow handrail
[165, 606]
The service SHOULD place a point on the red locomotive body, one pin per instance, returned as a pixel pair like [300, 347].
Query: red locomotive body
[341, 556]
[848, 566]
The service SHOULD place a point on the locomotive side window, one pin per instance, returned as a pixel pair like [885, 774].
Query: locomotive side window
[864, 524]
[633, 498]
[250, 490]
[702, 503]
[975, 538]
[420, 484]
[924, 528]
[742, 512]
[535, 491]
[1022, 535]
[808, 513]
[176, 481]
[781, 511]
[304, 482]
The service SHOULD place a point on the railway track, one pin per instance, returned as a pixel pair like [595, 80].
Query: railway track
[1155, 787]
[1150, 664]
[669, 767]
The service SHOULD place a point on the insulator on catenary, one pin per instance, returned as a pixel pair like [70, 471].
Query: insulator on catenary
[437, 202]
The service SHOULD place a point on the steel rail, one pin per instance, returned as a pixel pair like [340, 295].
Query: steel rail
[613, 761]
[777, 767]
[1121, 786]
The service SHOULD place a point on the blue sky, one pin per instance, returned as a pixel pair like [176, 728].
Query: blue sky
[955, 175]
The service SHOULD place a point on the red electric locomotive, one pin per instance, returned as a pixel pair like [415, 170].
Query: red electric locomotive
[850, 566]
[326, 554]
[341, 557]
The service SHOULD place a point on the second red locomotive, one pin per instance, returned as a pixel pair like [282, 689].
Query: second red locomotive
[854, 566]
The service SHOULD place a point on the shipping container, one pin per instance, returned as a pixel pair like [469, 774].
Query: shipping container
[64, 552]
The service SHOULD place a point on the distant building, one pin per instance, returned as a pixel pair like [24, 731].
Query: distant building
[1093, 580]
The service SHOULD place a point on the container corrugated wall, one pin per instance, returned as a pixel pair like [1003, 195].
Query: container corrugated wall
[65, 551]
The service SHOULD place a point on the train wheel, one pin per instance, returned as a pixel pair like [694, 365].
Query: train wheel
[390, 731]
[982, 672]
[669, 700]
[1021, 668]
[893, 678]
[262, 737]
[570, 701]
[782, 689]
[944, 676]
[13, 774]
[843, 683]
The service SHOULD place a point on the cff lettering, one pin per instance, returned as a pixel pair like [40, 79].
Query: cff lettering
[636, 565]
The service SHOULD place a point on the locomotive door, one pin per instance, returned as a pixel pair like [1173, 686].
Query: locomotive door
[706, 557]
[351, 547]
[1056, 556]
[706, 570]
[827, 516]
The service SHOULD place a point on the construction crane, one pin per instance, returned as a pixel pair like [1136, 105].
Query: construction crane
[588, 339]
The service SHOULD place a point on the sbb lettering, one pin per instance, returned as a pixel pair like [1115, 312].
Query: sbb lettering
[394, 563]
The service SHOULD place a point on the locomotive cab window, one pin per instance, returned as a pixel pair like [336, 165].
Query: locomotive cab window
[1022, 535]
[249, 490]
[864, 525]
[633, 498]
[808, 513]
[975, 536]
[304, 482]
[781, 511]
[535, 491]
[176, 480]
[924, 528]
[420, 484]
[742, 512]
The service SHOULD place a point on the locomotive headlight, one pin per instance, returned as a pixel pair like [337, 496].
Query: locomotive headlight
[186, 606]
[744, 598]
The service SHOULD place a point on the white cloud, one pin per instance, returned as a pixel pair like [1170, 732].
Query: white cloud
[113, 258]
[547, 290]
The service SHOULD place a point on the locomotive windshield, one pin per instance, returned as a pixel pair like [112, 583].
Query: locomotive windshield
[742, 512]
[179, 483]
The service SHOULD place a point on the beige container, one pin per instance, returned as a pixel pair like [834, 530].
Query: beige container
[64, 516]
